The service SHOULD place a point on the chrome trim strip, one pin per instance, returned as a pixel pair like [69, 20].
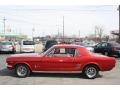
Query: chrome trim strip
[57, 71]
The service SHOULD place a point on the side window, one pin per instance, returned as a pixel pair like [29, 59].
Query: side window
[104, 44]
[98, 45]
[77, 53]
[64, 52]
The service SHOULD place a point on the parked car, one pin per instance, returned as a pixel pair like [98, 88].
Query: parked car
[7, 46]
[49, 44]
[107, 48]
[61, 59]
[27, 46]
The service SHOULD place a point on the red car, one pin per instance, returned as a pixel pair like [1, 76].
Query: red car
[61, 59]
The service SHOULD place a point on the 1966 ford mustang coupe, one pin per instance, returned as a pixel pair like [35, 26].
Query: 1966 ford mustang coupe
[61, 59]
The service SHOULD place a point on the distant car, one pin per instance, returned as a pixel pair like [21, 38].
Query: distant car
[89, 47]
[27, 46]
[49, 44]
[7, 46]
[107, 48]
[61, 59]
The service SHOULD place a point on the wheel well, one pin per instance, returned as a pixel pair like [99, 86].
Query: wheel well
[22, 64]
[92, 65]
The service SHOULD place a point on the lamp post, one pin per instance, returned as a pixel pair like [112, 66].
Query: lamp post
[4, 19]
[119, 25]
[63, 29]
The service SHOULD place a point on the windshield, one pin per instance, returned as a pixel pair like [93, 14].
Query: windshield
[28, 43]
[6, 43]
[44, 53]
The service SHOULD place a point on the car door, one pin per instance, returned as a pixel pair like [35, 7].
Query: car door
[69, 63]
[103, 48]
[98, 48]
[47, 62]
[58, 61]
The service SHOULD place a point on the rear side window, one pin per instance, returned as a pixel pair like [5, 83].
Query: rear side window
[28, 43]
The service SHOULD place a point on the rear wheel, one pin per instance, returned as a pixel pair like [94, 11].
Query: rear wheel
[91, 71]
[22, 70]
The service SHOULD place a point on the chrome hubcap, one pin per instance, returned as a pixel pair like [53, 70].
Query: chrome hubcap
[91, 72]
[21, 71]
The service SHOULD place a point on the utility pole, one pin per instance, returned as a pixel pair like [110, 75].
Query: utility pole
[58, 32]
[33, 29]
[79, 33]
[63, 29]
[119, 24]
[4, 19]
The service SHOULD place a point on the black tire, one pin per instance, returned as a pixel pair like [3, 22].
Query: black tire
[13, 52]
[22, 70]
[91, 71]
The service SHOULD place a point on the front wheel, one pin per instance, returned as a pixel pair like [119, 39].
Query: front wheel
[22, 70]
[91, 72]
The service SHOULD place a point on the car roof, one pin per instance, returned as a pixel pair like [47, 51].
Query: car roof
[68, 46]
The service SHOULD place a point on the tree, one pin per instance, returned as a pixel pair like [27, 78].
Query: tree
[99, 31]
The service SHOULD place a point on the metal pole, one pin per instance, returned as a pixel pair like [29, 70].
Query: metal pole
[119, 24]
[58, 32]
[63, 29]
[4, 25]
[33, 32]
[79, 33]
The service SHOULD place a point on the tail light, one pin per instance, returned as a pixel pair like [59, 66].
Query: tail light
[115, 49]
[11, 46]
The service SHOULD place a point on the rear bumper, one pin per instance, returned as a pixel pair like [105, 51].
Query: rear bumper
[27, 50]
[6, 50]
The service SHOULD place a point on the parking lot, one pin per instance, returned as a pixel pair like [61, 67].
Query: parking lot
[8, 77]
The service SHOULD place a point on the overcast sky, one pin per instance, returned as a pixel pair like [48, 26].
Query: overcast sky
[47, 19]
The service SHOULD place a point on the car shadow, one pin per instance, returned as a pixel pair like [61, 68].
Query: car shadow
[61, 75]
[11, 73]
[6, 72]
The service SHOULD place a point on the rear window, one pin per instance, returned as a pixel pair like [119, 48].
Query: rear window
[28, 43]
[6, 43]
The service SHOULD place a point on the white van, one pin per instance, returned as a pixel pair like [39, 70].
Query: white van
[27, 46]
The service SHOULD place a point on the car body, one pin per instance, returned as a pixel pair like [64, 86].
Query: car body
[61, 59]
[49, 44]
[27, 46]
[7, 46]
[107, 48]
